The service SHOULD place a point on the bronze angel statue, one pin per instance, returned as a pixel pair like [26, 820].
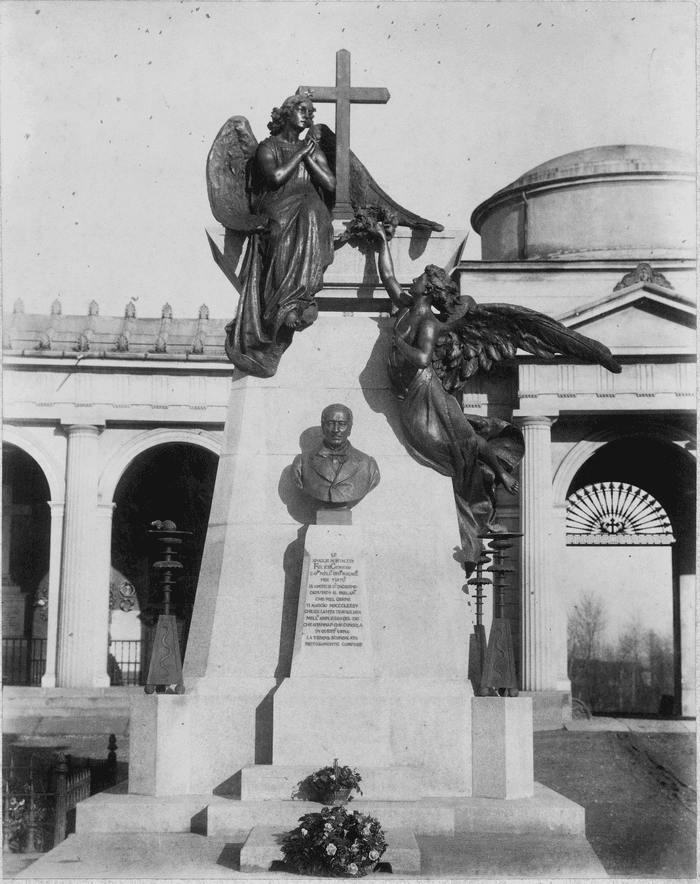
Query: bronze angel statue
[432, 358]
[280, 192]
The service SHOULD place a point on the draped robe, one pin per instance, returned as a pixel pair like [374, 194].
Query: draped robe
[283, 268]
[439, 435]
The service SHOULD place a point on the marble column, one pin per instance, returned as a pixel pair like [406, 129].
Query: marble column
[78, 662]
[537, 558]
[48, 679]
[103, 571]
[561, 663]
[687, 590]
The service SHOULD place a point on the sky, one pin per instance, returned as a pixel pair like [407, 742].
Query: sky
[109, 108]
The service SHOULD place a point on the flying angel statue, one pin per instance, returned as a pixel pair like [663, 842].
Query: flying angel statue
[432, 358]
[279, 193]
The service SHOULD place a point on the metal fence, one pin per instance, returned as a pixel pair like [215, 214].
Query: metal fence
[23, 660]
[128, 662]
[41, 792]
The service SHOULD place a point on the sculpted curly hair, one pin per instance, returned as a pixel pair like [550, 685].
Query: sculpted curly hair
[443, 291]
[280, 115]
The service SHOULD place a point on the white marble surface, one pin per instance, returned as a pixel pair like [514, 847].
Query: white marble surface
[502, 747]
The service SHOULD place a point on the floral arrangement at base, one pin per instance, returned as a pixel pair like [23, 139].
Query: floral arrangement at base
[360, 230]
[329, 785]
[334, 843]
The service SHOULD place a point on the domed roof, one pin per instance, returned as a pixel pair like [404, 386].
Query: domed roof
[611, 159]
[621, 200]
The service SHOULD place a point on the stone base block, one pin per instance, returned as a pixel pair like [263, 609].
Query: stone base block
[550, 709]
[262, 848]
[160, 746]
[547, 812]
[502, 747]
[420, 725]
[265, 782]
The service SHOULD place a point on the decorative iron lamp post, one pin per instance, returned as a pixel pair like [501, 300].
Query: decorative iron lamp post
[165, 669]
[498, 677]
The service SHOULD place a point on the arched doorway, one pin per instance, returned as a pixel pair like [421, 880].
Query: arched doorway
[173, 481]
[630, 558]
[26, 521]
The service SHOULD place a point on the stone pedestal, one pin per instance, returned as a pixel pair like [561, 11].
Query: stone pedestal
[159, 738]
[405, 703]
[502, 759]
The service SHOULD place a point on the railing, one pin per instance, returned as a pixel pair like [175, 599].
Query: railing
[127, 662]
[23, 660]
[41, 792]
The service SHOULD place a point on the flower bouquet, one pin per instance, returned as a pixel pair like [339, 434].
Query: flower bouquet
[330, 785]
[334, 843]
[360, 230]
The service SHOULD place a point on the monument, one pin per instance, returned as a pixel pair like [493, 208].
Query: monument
[332, 616]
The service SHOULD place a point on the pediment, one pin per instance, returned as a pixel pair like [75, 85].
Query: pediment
[643, 318]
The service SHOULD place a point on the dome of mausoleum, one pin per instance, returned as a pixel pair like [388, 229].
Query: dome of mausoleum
[621, 201]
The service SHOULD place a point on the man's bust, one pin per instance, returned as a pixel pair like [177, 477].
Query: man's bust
[335, 472]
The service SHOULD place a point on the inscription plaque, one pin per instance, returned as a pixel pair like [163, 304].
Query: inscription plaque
[333, 635]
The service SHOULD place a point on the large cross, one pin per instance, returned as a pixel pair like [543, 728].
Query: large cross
[343, 95]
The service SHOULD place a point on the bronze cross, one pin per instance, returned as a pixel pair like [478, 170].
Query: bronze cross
[343, 95]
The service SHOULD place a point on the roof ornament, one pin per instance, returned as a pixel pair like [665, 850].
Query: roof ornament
[643, 272]
[200, 334]
[161, 345]
[83, 344]
[56, 309]
[127, 328]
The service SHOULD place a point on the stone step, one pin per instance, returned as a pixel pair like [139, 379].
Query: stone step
[229, 818]
[263, 782]
[262, 848]
[187, 856]
[546, 812]
[60, 699]
[117, 811]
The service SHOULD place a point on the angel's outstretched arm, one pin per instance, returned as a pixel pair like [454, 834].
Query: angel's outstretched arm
[398, 296]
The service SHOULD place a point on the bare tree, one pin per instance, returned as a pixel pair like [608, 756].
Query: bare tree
[585, 632]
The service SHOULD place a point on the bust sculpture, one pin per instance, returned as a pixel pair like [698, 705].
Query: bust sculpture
[334, 471]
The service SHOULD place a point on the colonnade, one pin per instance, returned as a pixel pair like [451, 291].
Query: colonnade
[79, 569]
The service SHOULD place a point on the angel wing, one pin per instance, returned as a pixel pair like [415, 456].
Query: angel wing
[228, 175]
[364, 190]
[489, 333]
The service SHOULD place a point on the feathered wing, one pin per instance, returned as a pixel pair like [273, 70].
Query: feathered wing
[228, 167]
[490, 333]
[364, 190]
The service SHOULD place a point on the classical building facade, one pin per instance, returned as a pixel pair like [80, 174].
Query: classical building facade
[114, 422]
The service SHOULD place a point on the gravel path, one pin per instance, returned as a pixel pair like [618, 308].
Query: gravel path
[639, 793]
